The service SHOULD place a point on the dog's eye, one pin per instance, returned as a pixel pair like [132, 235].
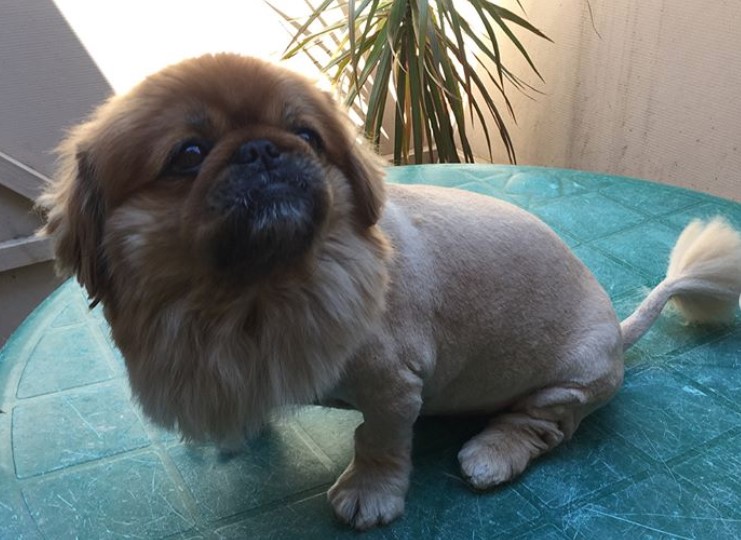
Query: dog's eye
[188, 157]
[311, 137]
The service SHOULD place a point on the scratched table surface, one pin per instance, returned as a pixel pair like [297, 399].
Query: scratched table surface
[661, 460]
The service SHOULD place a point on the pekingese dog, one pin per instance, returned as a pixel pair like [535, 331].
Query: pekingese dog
[249, 256]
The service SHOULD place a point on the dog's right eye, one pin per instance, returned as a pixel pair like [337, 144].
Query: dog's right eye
[188, 157]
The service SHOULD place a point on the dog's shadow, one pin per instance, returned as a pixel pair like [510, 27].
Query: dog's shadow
[286, 471]
[276, 445]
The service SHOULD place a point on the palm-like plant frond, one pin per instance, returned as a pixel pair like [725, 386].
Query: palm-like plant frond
[438, 64]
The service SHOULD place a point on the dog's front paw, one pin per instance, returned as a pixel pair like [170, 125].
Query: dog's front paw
[364, 498]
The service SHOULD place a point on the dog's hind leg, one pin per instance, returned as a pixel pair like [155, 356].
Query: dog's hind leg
[535, 425]
[703, 278]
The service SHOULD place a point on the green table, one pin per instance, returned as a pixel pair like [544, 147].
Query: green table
[661, 460]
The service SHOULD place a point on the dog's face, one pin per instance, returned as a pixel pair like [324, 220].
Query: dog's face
[221, 169]
[224, 214]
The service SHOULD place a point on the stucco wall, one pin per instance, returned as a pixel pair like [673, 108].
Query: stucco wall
[645, 89]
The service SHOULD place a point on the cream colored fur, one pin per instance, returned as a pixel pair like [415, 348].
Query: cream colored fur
[703, 279]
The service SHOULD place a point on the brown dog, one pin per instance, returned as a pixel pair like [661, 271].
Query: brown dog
[246, 257]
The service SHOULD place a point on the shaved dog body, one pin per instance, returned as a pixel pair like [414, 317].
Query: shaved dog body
[249, 255]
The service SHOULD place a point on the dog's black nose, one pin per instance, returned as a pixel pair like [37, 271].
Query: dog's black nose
[257, 152]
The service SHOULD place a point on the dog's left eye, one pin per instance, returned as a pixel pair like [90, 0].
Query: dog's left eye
[188, 157]
[311, 137]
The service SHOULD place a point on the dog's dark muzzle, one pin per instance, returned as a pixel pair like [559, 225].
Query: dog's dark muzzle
[271, 203]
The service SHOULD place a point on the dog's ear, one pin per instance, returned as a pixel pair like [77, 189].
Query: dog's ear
[362, 167]
[75, 212]
[364, 171]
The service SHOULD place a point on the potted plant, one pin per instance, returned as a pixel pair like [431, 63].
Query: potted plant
[432, 59]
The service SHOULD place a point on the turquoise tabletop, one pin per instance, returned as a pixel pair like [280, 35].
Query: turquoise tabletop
[661, 460]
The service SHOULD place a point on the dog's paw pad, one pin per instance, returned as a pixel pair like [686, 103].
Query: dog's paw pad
[366, 507]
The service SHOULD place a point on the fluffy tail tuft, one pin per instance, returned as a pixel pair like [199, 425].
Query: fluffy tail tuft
[711, 253]
[703, 279]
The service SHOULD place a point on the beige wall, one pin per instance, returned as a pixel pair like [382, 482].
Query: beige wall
[652, 89]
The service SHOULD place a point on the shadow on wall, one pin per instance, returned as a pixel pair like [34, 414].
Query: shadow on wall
[48, 83]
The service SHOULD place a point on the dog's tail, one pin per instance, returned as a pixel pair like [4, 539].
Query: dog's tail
[703, 279]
